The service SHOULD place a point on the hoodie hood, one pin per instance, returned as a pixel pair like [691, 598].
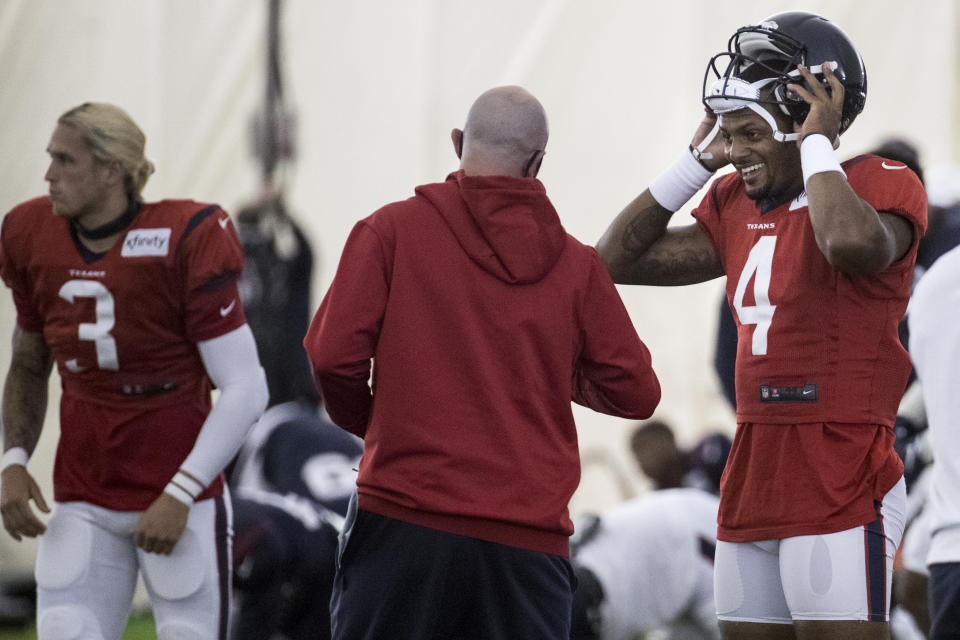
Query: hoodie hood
[507, 226]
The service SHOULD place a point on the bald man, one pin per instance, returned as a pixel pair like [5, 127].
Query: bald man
[485, 320]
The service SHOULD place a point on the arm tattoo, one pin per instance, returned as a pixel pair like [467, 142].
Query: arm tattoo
[679, 258]
[646, 228]
[687, 265]
[25, 391]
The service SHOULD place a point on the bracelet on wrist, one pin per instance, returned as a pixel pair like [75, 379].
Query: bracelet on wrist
[179, 494]
[184, 487]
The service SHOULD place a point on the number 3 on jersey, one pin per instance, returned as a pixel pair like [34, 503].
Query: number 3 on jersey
[759, 267]
[98, 332]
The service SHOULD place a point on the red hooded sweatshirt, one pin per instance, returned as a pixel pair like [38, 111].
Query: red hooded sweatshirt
[481, 319]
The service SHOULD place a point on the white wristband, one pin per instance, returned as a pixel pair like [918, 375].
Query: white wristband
[14, 455]
[179, 494]
[184, 488]
[817, 156]
[677, 184]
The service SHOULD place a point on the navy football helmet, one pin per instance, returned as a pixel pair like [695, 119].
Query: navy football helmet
[762, 59]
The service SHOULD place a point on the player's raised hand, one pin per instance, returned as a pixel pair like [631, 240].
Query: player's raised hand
[17, 489]
[826, 106]
[707, 143]
[161, 525]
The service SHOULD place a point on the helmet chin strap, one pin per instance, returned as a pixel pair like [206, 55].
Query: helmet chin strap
[730, 94]
[778, 135]
[699, 151]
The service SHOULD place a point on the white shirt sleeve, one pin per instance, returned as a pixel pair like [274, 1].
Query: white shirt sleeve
[934, 319]
[232, 363]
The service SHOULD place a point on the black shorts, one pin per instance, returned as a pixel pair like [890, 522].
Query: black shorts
[399, 580]
[943, 591]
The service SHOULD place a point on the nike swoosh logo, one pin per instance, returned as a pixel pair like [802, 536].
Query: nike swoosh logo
[227, 309]
[223, 222]
[892, 167]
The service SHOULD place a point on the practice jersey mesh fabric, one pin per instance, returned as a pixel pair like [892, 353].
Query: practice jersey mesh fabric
[122, 327]
[820, 368]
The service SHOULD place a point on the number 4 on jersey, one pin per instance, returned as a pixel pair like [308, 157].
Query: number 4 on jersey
[758, 267]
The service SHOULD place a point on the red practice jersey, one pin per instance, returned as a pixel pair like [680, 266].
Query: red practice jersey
[123, 327]
[815, 345]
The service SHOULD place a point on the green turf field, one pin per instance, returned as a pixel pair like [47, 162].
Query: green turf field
[139, 628]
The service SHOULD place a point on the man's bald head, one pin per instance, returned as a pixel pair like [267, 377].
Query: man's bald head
[506, 128]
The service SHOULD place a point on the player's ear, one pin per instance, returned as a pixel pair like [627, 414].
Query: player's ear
[532, 168]
[457, 137]
[113, 171]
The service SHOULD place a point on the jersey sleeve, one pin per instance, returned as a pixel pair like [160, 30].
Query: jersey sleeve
[211, 260]
[890, 187]
[14, 274]
[707, 215]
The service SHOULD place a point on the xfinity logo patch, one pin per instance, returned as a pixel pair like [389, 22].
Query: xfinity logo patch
[146, 242]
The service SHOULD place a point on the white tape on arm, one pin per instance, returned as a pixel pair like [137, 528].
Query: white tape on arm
[680, 182]
[178, 493]
[14, 455]
[817, 156]
[184, 487]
